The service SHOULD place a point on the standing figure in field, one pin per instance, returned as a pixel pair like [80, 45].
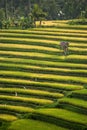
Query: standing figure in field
[64, 46]
[16, 94]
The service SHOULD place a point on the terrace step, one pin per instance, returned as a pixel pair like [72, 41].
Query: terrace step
[30, 101]
[74, 104]
[15, 110]
[47, 57]
[7, 117]
[43, 70]
[44, 77]
[42, 63]
[44, 43]
[81, 94]
[59, 33]
[65, 28]
[47, 37]
[59, 87]
[73, 30]
[30, 124]
[30, 48]
[37, 63]
[77, 49]
[31, 93]
[41, 43]
[51, 51]
[61, 117]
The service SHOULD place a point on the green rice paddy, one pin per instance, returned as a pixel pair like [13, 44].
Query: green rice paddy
[40, 86]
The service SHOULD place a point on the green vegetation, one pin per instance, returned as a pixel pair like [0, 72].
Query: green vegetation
[78, 22]
[27, 101]
[33, 125]
[62, 117]
[31, 92]
[38, 83]
[48, 70]
[22, 61]
[64, 114]
[46, 77]
[16, 109]
[25, 14]
[39, 37]
[73, 102]
[80, 94]
[52, 37]
[43, 85]
[6, 117]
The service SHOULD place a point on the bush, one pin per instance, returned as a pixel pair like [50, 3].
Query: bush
[6, 24]
[78, 22]
[26, 22]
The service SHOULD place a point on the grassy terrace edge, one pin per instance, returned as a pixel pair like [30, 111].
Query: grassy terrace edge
[62, 117]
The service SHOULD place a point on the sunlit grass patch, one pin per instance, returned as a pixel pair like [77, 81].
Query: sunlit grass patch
[36, 101]
[29, 124]
[50, 33]
[77, 49]
[31, 92]
[44, 56]
[68, 119]
[18, 109]
[74, 30]
[61, 113]
[42, 37]
[39, 69]
[44, 77]
[5, 46]
[43, 63]
[74, 102]
[43, 85]
[81, 94]
[7, 117]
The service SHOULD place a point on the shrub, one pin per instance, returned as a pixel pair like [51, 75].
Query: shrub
[26, 22]
[6, 24]
[78, 22]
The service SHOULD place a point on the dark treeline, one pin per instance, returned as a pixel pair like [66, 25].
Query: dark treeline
[55, 9]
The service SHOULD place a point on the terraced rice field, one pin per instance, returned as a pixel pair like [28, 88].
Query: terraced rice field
[38, 81]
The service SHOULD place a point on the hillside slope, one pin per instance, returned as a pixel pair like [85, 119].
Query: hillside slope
[35, 77]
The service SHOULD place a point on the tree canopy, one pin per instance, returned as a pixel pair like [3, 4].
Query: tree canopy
[56, 9]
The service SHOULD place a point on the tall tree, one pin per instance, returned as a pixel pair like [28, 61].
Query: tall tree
[6, 10]
[70, 8]
[37, 13]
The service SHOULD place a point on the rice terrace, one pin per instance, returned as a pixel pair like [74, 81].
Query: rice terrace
[40, 87]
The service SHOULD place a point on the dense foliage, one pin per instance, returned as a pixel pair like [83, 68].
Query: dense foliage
[56, 9]
[24, 13]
